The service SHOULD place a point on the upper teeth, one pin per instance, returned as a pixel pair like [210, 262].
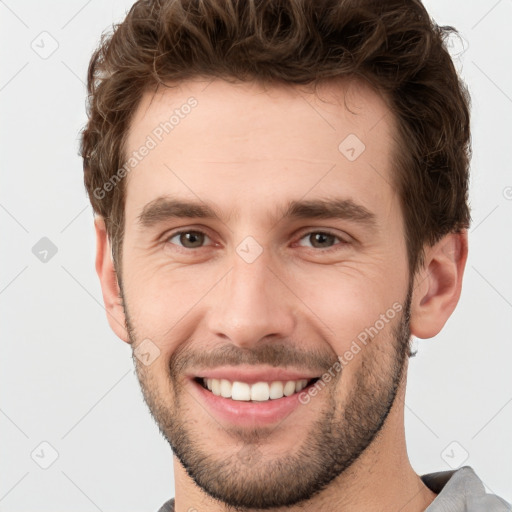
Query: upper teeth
[259, 391]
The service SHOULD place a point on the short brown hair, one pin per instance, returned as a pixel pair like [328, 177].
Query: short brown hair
[392, 44]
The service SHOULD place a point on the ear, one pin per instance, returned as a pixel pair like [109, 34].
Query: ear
[438, 284]
[108, 280]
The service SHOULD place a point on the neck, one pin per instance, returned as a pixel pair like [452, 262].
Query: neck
[381, 479]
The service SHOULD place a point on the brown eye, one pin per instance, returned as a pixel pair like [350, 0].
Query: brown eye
[189, 239]
[321, 240]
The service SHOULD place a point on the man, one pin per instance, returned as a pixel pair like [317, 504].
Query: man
[280, 190]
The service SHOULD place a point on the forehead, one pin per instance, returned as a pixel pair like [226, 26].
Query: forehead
[241, 144]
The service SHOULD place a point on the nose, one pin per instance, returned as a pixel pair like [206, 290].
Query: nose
[251, 303]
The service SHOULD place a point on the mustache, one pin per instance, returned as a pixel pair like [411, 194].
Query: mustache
[272, 354]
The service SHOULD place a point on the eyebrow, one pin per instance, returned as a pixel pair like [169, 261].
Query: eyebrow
[164, 208]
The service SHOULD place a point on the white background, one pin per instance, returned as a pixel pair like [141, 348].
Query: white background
[67, 380]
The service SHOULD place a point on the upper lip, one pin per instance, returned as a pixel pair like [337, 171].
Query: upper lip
[251, 374]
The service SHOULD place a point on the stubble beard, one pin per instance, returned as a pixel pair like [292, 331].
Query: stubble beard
[243, 478]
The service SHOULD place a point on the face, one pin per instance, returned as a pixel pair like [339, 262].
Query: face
[265, 281]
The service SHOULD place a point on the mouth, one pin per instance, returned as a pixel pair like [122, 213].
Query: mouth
[262, 391]
[249, 397]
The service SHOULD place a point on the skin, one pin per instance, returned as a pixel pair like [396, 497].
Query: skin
[248, 151]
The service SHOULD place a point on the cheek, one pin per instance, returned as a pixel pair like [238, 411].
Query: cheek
[164, 303]
[345, 303]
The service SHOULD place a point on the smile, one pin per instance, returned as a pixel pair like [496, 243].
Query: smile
[256, 392]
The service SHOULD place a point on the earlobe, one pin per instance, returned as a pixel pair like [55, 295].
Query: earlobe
[108, 280]
[438, 285]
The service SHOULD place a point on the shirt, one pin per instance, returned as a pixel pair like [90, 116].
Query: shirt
[457, 491]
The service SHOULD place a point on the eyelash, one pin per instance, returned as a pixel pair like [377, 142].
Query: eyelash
[304, 235]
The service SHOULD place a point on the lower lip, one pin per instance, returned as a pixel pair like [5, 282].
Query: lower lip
[245, 413]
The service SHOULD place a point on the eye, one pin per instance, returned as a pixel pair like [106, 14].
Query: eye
[195, 239]
[322, 240]
[188, 239]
